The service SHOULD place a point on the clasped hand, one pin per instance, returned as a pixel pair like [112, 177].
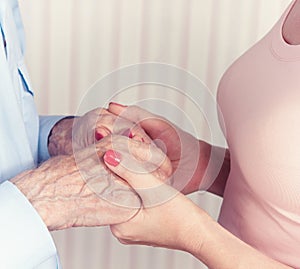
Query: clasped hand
[114, 174]
[162, 219]
[77, 189]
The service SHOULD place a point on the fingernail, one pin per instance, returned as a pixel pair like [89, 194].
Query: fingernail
[116, 104]
[112, 157]
[128, 133]
[98, 136]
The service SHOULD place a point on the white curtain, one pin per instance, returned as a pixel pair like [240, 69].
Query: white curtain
[73, 43]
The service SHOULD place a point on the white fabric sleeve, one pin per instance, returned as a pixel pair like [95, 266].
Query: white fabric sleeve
[25, 241]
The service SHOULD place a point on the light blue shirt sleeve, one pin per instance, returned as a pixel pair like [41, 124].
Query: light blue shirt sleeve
[25, 241]
[46, 124]
[20, 225]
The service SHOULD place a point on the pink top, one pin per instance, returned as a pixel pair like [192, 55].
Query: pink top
[259, 96]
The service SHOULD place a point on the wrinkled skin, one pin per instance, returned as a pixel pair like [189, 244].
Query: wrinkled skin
[101, 123]
[79, 190]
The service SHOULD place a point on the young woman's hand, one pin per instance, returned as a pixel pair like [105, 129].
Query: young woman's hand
[196, 164]
[169, 219]
[166, 215]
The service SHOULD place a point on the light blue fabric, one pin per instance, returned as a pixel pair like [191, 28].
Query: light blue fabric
[24, 239]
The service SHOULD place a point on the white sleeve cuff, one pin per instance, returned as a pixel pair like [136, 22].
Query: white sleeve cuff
[25, 241]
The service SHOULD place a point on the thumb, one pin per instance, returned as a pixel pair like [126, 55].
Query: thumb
[132, 113]
[116, 108]
[148, 185]
[151, 123]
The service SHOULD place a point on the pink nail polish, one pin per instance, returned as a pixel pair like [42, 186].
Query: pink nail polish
[98, 136]
[112, 157]
[116, 104]
[128, 133]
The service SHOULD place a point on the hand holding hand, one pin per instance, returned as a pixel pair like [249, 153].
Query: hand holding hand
[182, 148]
[79, 190]
[166, 215]
[74, 134]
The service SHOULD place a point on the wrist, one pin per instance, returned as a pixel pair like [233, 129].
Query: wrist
[60, 137]
[193, 230]
[23, 182]
[40, 188]
[198, 239]
[196, 180]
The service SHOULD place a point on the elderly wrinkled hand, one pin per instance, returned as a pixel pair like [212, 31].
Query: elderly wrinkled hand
[72, 134]
[79, 190]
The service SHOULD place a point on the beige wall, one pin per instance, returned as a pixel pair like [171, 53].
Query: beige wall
[72, 43]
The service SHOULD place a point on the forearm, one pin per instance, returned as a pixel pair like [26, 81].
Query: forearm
[218, 185]
[219, 182]
[217, 248]
[60, 138]
[71, 191]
